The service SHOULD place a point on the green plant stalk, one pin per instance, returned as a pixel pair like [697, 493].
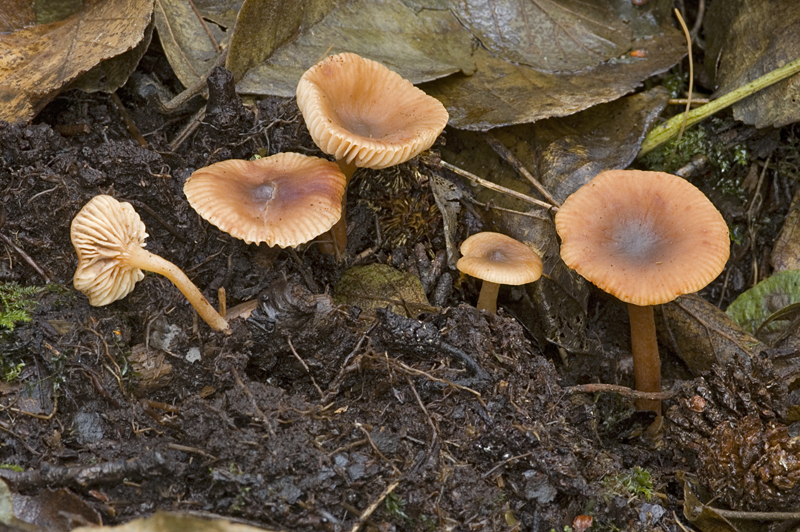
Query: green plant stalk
[669, 129]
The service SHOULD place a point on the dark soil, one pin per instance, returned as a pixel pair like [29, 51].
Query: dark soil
[308, 412]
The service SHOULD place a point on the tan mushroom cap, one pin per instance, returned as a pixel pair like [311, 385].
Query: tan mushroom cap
[101, 232]
[363, 113]
[500, 259]
[643, 237]
[284, 200]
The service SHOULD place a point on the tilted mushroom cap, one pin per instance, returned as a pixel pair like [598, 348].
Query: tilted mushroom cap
[358, 110]
[643, 237]
[285, 199]
[101, 232]
[500, 259]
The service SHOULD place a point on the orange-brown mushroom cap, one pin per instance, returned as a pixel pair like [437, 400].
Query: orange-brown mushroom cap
[284, 200]
[500, 259]
[363, 113]
[643, 237]
[101, 233]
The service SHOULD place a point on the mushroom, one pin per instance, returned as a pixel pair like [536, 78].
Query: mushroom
[497, 259]
[366, 116]
[284, 200]
[645, 238]
[109, 239]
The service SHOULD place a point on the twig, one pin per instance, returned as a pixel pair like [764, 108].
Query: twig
[691, 83]
[504, 462]
[305, 366]
[619, 390]
[424, 410]
[669, 129]
[193, 450]
[428, 376]
[497, 188]
[333, 389]
[211, 38]
[372, 507]
[145, 207]
[511, 159]
[26, 258]
[129, 123]
[360, 427]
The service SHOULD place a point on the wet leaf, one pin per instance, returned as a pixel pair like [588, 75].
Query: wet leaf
[563, 154]
[419, 44]
[505, 92]
[381, 286]
[786, 251]
[550, 36]
[39, 61]
[702, 335]
[187, 44]
[747, 39]
[163, 521]
[753, 307]
[54, 509]
[707, 518]
[222, 12]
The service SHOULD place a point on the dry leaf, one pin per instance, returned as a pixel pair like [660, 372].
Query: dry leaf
[189, 48]
[419, 44]
[747, 39]
[702, 335]
[786, 252]
[36, 63]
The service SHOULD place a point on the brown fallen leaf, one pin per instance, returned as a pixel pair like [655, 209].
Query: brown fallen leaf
[786, 252]
[747, 39]
[702, 335]
[192, 45]
[36, 63]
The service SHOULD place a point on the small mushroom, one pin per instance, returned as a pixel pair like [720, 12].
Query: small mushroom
[366, 116]
[645, 238]
[284, 200]
[109, 239]
[497, 259]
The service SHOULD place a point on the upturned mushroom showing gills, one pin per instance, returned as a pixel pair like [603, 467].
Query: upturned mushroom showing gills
[109, 239]
[283, 200]
[645, 238]
[366, 116]
[497, 259]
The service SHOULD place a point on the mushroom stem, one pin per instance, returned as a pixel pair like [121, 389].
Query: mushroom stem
[487, 300]
[337, 234]
[646, 362]
[138, 257]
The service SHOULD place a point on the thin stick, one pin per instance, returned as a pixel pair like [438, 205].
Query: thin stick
[619, 390]
[497, 188]
[214, 42]
[26, 258]
[302, 362]
[691, 82]
[374, 506]
[669, 129]
[506, 154]
[360, 427]
[424, 410]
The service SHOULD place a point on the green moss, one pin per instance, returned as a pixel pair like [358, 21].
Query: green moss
[633, 484]
[16, 304]
[395, 505]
